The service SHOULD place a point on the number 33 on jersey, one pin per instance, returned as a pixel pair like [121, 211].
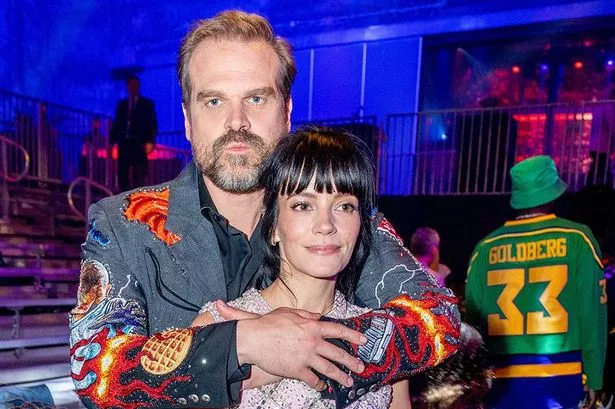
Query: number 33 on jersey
[537, 286]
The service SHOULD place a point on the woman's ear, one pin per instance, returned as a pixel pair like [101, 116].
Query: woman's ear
[275, 239]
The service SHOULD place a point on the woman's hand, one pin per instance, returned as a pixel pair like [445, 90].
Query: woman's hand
[203, 319]
[401, 395]
[227, 313]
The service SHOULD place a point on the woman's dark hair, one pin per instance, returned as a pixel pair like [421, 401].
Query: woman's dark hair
[338, 160]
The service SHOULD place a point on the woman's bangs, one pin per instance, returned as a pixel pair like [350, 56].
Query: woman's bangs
[328, 177]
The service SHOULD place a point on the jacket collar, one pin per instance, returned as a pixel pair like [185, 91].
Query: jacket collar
[184, 209]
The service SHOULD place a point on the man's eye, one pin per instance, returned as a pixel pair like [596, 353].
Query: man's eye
[214, 102]
[256, 100]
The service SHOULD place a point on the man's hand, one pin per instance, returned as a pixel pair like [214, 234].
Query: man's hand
[290, 343]
[590, 399]
[259, 378]
[149, 148]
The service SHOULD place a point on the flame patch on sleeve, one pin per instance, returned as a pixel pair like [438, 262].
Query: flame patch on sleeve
[151, 207]
[115, 373]
[416, 337]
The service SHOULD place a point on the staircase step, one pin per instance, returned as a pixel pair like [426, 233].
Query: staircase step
[24, 303]
[41, 212]
[34, 365]
[20, 276]
[53, 195]
[24, 291]
[36, 272]
[35, 322]
[34, 262]
[33, 330]
[17, 248]
[36, 342]
[46, 207]
[47, 241]
[61, 232]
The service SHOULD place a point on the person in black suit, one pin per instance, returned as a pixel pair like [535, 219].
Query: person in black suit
[134, 130]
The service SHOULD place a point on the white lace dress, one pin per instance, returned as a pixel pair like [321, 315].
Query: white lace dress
[291, 393]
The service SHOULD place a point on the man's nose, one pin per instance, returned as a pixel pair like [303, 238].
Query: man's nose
[237, 118]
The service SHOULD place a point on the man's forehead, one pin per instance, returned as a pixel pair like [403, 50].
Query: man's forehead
[233, 66]
[256, 54]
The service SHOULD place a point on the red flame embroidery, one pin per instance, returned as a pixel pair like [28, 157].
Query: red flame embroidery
[151, 207]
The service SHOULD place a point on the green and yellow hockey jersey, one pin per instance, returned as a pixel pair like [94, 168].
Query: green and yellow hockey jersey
[536, 286]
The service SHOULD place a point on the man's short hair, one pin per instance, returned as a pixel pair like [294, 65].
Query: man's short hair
[422, 240]
[240, 26]
[132, 77]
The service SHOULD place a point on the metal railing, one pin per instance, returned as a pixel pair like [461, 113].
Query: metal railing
[6, 174]
[165, 163]
[444, 152]
[99, 163]
[68, 144]
[470, 151]
[54, 138]
[173, 139]
[101, 168]
[365, 128]
[53, 134]
[6, 177]
[87, 196]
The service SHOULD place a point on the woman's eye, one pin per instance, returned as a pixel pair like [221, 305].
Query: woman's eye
[348, 207]
[301, 207]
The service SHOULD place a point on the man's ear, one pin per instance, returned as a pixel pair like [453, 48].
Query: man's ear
[435, 255]
[187, 127]
[289, 110]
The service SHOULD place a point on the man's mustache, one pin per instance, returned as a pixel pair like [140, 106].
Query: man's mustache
[241, 136]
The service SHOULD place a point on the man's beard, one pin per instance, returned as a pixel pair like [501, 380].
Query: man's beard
[233, 172]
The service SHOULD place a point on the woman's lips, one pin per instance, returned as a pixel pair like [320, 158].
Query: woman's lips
[324, 250]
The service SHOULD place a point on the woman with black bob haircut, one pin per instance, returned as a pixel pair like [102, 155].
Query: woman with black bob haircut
[319, 195]
[334, 159]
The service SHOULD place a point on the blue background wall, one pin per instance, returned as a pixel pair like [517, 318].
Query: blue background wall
[362, 56]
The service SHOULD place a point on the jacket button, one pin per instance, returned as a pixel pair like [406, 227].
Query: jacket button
[193, 398]
[182, 401]
[205, 398]
[373, 388]
[352, 394]
[361, 392]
